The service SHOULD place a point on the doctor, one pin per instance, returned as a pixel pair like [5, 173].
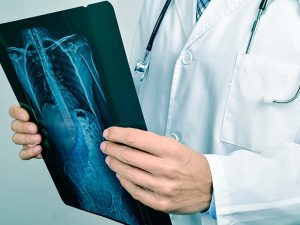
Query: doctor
[221, 149]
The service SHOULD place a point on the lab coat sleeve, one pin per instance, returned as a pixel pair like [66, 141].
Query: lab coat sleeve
[256, 189]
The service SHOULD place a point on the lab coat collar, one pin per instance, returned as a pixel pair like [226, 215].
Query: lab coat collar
[215, 12]
[187, 14]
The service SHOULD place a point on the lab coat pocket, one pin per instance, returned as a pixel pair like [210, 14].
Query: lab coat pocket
[251, 121]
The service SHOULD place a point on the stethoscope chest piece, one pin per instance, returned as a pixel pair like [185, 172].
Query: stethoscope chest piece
[142, 67]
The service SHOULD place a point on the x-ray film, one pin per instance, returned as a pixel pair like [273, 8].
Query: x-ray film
[70, 71]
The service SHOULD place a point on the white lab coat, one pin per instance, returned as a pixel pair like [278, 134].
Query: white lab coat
[203, 89]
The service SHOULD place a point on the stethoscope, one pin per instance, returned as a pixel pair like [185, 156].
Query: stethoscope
[142, 67]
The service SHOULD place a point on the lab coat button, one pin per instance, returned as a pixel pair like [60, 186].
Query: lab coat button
[187, 58]
[175, 137]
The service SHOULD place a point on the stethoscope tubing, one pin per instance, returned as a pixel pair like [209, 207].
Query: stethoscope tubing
[157, 25]
[142, 66]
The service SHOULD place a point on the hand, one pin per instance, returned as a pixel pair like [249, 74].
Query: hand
[158, 171]
[26, 134]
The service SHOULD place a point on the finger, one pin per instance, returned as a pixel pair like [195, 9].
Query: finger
[39, 156]
[27, 139]
[144, 140]
[134, 175]
[31, 153]
[143, 195]
[24, 127]
[28, 146]
[19, 113]
[133, 157]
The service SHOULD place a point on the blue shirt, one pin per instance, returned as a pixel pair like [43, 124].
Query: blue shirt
[201, 6]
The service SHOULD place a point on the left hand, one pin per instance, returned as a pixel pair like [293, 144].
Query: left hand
[158, 171]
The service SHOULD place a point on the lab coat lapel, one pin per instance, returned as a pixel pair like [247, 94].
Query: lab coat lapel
[186, 10]
[215, 12]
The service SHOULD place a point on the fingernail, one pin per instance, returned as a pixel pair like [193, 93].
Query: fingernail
[32, 128]
[103, 145]
[37, 149]
[118, 176]
[107, 160]
[37, 138]
[105, 133]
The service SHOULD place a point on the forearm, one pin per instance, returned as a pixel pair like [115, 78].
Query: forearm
[257, 188]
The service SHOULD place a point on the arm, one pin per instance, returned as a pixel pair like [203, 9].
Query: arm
[258, 188]
[170, 177]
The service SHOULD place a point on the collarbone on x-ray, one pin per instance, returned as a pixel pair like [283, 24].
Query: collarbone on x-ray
[60, 78]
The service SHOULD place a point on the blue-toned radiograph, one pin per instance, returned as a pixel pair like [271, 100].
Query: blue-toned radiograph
[59, 77]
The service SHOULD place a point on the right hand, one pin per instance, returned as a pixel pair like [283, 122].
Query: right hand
[26, 133]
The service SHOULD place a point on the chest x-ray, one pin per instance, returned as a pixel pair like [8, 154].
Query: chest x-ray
[60, 79]
[62, 69]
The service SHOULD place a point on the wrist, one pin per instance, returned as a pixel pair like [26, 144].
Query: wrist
[206, 178]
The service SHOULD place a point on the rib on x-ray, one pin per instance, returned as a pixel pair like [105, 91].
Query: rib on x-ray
[62, 83]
